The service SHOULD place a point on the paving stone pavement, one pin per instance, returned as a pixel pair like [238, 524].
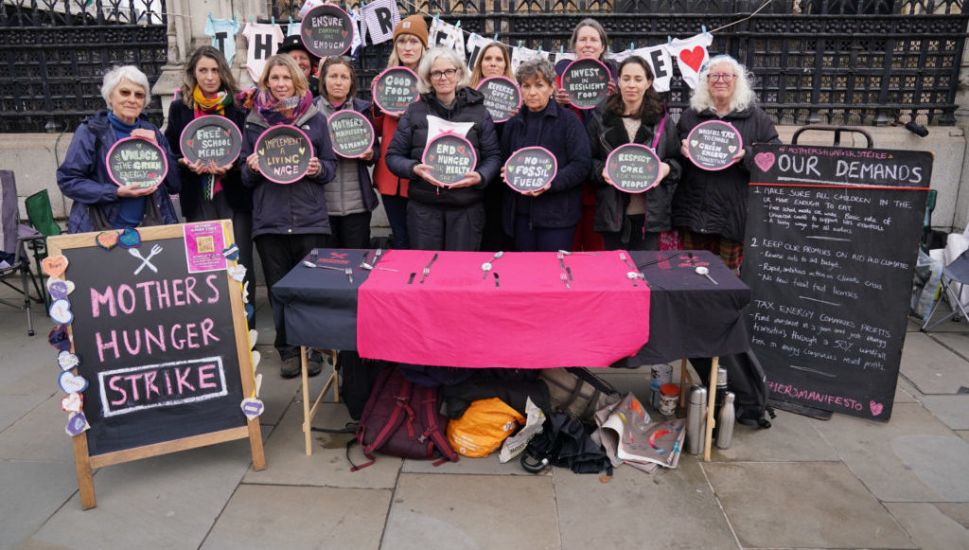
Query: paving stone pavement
[843, 483]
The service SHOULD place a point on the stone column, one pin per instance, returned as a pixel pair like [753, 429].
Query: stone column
[962, 121]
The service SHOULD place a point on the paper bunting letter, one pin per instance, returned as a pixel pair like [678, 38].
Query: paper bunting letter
[381, 17]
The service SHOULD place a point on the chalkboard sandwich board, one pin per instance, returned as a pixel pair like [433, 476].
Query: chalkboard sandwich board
[351, 133]
[530, 169]
[633, 168]
[159, 357]
[450, 157]
[502, 97]
[136, 162]
[284, 154]
[586, 81]
[326, 31]
[831, 241]
[714, 144]
[211, 138]
[394, 89]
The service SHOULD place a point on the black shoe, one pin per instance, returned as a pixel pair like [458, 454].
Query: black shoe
[290, 367]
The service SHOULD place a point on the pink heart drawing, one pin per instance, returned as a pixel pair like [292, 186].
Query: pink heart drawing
[190, 142]
[764, 161]
[876, 408]
[344, 33]
[430, 158]
[693, 58]
[460, 149]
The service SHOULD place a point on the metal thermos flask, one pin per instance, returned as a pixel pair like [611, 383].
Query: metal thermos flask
[696, 416]
[726, 422]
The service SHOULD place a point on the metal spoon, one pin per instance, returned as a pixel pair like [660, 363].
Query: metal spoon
[314, 266]
[703, 270]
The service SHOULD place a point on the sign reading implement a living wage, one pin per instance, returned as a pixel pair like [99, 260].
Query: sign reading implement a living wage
[136, 162]
[633, 168]
[530, 169]
[284, 154]
[327, 31]
[211, 138]
[351, 133]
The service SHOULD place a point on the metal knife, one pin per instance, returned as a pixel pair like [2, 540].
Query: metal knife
[427, 268]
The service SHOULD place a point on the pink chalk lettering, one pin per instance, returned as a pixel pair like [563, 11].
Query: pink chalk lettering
[207, 373]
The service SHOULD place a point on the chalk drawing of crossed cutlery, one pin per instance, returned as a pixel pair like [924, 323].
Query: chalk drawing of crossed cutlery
[146, 261]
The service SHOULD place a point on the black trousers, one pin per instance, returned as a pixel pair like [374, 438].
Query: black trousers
[541, 239]
[396, 208]
[638, 239]
[441, 228]
[350, 231]
[279, 254]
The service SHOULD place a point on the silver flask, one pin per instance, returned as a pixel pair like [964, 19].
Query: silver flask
[726, 422]
[696, 416]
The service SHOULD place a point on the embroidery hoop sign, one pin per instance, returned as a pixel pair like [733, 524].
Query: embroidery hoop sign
[394, 89]
[284, 154]
[530, 169]
[459, 157]
[713, 144]
[502, 97]
[351, 133]
[586, 81]
[211, 138]
[326, 31]
[633, 168]
[138, 162]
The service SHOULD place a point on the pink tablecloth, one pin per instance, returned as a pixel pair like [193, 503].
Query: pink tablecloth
[458, 318]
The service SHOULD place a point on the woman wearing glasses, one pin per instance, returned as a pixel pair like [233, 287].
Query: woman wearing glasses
[710, 208]
[439, 217]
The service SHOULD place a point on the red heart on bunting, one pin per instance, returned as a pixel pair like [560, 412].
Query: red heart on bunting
[693, 58]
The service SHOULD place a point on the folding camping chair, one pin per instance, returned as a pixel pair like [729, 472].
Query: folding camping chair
[954, 276]
[41, 217]
[13, 235]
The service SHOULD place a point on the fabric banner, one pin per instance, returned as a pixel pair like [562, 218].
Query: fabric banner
[691, 54]
[521, 54]
[359, 30]
[446, 35]
[381, 17]
[476, 43]
[263, 40]
[659, 61]
[223, 33]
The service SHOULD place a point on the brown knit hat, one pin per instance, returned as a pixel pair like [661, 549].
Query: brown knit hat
[414, 25]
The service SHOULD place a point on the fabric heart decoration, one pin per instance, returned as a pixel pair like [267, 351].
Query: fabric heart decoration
[72, 403]
[106, 239]
[252, 408]
[693, 57]
[71, 383]
[237, 272]
[764, 161]
[231, 252]
[256, 358]
[67, 360]
[59, 289]
[60, 312]
[59, 338]
[876, 408]
[258, 384]
[253, 337]
[77, 424]
[245, 292]
[130, 238]
[54, 266]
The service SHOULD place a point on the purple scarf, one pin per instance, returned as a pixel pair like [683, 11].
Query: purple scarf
[286, 111]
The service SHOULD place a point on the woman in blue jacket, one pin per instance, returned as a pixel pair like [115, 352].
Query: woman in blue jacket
[100, 204]
[288, 221]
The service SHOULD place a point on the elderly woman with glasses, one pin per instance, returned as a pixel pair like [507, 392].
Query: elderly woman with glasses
[443, 217]
[100, 204]
[710, 208]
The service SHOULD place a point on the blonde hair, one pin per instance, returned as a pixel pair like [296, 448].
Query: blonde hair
[743, 93]
[447, 54]
[393, 60]
[477, 73]
[300, 85]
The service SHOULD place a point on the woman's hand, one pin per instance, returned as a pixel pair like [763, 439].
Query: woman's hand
[538, 192]
[423, 171]
[664, 170]
[740, 154]
[684, 149]
[144, 133]
[606, 178]
[469, 179]
[219, 171]
[561, 97]
[131, 191]
[195, 167]
[252, 161]
[368, 155]
[314, 167]
[612, 88]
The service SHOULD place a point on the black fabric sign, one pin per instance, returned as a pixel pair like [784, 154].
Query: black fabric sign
[327, 31]
[211, 138]
[832, 238]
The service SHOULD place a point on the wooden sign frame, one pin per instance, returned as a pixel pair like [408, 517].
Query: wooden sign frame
[84, 462]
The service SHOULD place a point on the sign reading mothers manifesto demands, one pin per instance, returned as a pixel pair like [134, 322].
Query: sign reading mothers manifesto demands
[211, 138]
[351, 133]
[586, 81]
[136, 162]
[284, 154]
[714, 144]
[326, 31]
[832, 237]
[502, 97]
[450, 157]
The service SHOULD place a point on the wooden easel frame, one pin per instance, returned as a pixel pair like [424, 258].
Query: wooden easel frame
[84, 463]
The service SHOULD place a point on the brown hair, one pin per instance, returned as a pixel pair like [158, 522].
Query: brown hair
[325, 67]
[589, 22]
[225, 74]
[476, 73]
[651, 109]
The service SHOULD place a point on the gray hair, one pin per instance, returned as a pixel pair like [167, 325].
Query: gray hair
[537, 66]
[743, 93]
[124, 72]
[449, 55]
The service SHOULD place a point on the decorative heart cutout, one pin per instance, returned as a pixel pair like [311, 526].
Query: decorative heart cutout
[252, 408]
[764, 161]
[256, 358]
[60, 312]
[237, 272]
[67, 360]
[245, 292]
[77, 424]
[71, 383]
[693, 58]
[59, 289]
[59, 338]
[258, 384]
[231, 252]
[54, 266]
[72, 403]
[694, 142]
[253, 338]
[107, 239]
[732, 148]
[130, 238]
[876, 408]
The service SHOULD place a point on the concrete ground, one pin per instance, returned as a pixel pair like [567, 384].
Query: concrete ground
[843, 483]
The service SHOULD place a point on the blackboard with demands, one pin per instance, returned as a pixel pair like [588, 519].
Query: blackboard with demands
[164, 350]
[830, 248]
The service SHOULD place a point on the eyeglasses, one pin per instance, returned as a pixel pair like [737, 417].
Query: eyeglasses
[726, 77]
[438, 75]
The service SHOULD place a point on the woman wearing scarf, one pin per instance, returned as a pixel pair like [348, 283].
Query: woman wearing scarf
[211, 192]
[288, 220]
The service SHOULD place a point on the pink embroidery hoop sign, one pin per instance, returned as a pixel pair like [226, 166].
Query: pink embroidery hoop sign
[502, 97]
[326, 31]
[713, 144]
[211, 137]
[450, 157]
[351, 133]
[284, 154]
[586, 81]
[530, 169]
[137, 162]
[633, 168]
[394, 89]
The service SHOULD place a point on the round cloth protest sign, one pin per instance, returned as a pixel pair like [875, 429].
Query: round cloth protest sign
[395, 89]
[351, 133]
[502, 97]
[530, 169]
[211, 138]
[633, 168]
[136, 162]
[326, 31]
[450, 157]
[284, 153]
[714, 144]
[586, 81]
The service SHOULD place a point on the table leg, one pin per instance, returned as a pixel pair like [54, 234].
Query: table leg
[303, 358]
[711, 400]
[684, 383]
[335, 378]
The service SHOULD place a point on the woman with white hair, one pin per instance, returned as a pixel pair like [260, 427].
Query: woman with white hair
[710, 208]
[443, 217]
[100, 204]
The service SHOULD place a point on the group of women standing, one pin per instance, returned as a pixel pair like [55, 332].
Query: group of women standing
[331, 205]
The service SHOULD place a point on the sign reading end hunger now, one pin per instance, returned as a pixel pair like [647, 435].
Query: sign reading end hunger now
[829, 254]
